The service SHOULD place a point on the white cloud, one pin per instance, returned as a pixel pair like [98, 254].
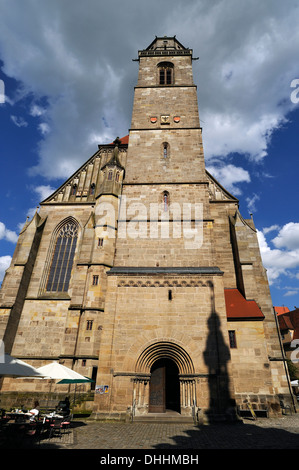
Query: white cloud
[44, 128]
[289, 293]
[251, 203]
[270, 229]
[283, 261]
[67, 54]
[6, 234]
[43, 191]
[4, 264]
[288, 237]
[229, 176]
[19, 121]
[36, 110]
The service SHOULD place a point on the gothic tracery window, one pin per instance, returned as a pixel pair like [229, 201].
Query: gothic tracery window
[63, 258]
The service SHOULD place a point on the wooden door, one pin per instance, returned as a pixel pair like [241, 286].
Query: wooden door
[157, 390]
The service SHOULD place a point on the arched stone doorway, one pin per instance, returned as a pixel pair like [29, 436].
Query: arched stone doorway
[164, 392]
[168, 367]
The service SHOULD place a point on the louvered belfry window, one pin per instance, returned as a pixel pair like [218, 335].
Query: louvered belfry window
[63, 258]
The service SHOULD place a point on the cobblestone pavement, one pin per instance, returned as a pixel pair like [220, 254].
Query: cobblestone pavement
[263, 433]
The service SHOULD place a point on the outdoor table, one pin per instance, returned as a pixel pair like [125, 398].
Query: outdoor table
[18, 415]
[52, 415]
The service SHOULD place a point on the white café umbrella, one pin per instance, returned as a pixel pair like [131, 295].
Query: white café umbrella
[295, 383]
[12, 367]
[59, 371]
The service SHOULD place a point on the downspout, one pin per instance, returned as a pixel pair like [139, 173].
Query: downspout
[284, 360]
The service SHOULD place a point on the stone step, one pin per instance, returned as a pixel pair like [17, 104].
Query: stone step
[167, 417]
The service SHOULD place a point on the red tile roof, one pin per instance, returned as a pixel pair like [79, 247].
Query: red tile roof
[237, 307]
[285, 323]
[123, 140]
[290, 321]
[281, 310]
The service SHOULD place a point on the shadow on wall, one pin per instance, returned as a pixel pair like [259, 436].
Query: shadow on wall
[216, 357]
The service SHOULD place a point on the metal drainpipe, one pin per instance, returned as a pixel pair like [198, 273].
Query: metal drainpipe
[284, 360]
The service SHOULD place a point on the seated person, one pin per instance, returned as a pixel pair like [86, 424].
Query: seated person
[63, 407]
[34, 412]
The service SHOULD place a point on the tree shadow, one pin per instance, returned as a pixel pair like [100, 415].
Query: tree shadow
[230, 436]
[224, 429]
[216, 357]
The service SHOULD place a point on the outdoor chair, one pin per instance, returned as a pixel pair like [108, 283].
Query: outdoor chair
[55, 427]
[66, 423]
[285, 408]
[33, 432]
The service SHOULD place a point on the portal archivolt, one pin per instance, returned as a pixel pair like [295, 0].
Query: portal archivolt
[164, 353]
[165, 350]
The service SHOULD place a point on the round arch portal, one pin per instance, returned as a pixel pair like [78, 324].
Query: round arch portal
[165, 350]
[166, 370]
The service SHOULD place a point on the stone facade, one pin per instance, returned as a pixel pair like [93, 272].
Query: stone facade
[159, 248]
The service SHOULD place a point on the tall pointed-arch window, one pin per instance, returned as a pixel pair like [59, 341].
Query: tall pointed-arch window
[166, 76]
[63, 258]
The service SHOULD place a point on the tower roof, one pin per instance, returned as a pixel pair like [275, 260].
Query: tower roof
[166, 45]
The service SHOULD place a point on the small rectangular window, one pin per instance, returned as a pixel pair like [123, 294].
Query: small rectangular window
[95, 280]
[83, 362]
[100, 241]
[232, 339]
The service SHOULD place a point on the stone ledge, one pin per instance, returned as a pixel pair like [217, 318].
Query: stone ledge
[165, 270]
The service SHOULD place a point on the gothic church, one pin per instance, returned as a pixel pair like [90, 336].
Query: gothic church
[141, 273]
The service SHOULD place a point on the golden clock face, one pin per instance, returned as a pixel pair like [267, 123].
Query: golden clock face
[164, 119]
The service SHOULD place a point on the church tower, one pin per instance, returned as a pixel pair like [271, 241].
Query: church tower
[141, 272]
[166, 337]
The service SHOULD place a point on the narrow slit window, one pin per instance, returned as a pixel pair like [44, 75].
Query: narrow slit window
[232, 339]
[165, 150]
[110, 175]
[165, 201]
[100, 242]
[92, 189]
[95, 280]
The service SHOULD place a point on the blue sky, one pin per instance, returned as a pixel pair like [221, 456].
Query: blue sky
[68, 79]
